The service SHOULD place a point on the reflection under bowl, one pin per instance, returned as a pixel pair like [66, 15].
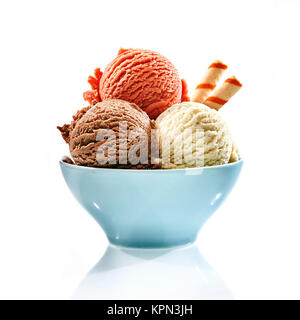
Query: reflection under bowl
[151, 208]
[156, 274]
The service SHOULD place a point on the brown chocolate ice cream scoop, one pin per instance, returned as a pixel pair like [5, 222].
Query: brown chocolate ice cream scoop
[112, 133]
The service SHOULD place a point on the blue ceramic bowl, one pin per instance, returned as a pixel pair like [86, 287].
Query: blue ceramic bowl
[151, 208]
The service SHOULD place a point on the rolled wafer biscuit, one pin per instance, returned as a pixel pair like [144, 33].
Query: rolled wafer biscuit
[209, 81]
[222, 94]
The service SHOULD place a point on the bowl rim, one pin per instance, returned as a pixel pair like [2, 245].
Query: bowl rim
[76, 167]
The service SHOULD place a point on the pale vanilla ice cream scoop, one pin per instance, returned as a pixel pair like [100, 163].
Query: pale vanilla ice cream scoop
[193, 135]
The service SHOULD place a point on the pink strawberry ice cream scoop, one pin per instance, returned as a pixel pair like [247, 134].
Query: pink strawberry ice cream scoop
[139, 76]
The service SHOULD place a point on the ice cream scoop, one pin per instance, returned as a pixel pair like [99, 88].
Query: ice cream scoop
[143, 77]
[112, 133]
[193, 135]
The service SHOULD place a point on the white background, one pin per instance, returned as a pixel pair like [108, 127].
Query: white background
[48, 48]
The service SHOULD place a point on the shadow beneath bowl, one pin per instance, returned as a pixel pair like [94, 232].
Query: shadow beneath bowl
[172, 273]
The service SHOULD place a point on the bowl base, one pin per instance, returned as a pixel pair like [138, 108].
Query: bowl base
[150, 244]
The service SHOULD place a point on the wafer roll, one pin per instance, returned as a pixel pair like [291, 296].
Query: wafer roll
[222, 94]
[209, 81]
